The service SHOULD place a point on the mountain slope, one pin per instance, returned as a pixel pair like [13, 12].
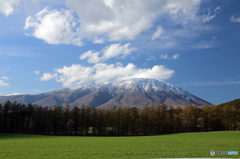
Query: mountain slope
[137, 92]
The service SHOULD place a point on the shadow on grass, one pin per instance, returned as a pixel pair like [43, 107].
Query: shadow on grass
[10, 135]
[4, 135]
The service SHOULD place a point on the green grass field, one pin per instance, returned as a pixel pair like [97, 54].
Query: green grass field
[183, 145]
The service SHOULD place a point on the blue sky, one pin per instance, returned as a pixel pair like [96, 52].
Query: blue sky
[51, 44]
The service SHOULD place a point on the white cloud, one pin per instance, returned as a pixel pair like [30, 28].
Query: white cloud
[119, 64]
[107, 20]
[5, 78]
[164, 56]
[237, 20]
[183, 11]
[157, 33]
[114, 19]
[210, 83]
[54, 27]
[92, 56]
[76, 75]
[98, 41]
[37, 72]
[208, 17]
[114, 50]
[118, 20]
[176, 56]
[218, 8]
[205, 44]
[3, 83]
[7, 6]
[47, 76]
[151, 58]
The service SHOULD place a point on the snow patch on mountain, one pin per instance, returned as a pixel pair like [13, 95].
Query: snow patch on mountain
[143, 84]
[146, 85]
[179, 91]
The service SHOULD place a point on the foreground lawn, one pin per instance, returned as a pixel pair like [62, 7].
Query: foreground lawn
[183, 145]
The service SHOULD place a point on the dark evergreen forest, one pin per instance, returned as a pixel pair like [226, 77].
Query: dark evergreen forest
[121, 121]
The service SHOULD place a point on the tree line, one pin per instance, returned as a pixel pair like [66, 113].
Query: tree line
[235, 103]
[121, 121]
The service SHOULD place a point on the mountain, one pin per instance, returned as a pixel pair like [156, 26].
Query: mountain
[136, 92]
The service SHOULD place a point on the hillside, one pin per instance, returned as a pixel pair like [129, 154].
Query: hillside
[235, 103]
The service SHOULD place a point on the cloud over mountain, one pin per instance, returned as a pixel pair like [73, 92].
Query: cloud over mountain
[77, 74]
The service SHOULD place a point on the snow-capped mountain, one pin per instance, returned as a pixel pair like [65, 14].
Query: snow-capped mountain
[136, 92]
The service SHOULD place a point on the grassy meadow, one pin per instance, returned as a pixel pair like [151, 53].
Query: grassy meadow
[184, 145]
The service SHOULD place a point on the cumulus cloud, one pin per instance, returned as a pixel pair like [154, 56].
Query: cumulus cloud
[209, 16]
[76, 75]
[3, 83]
[107, 20]
[5, 78]
[92, 56]
[176, 56]
[47, 76]
[237, 20]
[114, 50]
[157, 33]
[7, 6]
[54, 27]
[115, 19]
[118, 20]
[37, 72]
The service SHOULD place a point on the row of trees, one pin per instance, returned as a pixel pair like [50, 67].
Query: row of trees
[151, 120]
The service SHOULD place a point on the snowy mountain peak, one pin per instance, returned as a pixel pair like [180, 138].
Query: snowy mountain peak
[136, 92]
[143, 84]
[153, 85]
